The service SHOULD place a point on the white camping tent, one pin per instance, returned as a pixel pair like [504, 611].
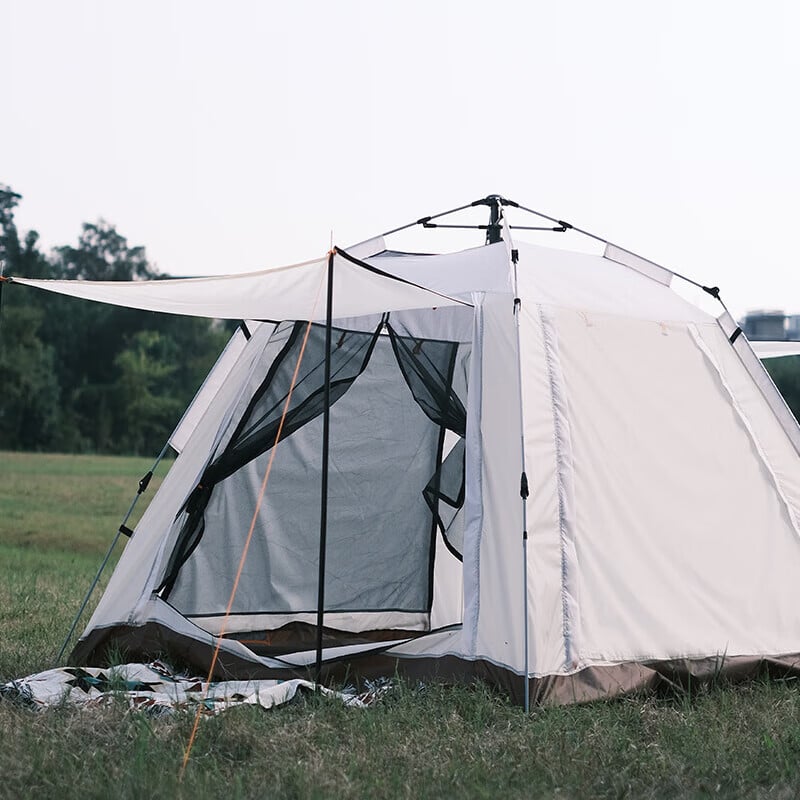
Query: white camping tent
[538, 467]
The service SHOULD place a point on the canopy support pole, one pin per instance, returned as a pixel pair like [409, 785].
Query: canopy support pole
[143, 484]
[323, 512]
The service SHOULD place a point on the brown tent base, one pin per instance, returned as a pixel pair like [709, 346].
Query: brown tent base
[591, 684]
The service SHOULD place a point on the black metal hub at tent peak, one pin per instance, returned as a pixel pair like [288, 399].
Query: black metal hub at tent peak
[495, 203]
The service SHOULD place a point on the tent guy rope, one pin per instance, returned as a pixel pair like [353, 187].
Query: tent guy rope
[252, 528]
[144, 482]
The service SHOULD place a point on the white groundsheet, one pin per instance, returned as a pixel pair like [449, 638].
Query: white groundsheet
[155, 687]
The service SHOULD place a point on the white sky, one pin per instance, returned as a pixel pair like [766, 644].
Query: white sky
[230, 136]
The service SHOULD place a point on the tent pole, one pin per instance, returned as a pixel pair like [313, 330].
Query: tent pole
[326, 424]
[523, 490]
[143, 483]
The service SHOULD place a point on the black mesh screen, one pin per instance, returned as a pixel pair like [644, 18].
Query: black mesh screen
[391, 400]
[256, 432]
[427, 366]
[445, 497]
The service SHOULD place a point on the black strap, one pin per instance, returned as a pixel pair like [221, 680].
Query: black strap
[145, 482]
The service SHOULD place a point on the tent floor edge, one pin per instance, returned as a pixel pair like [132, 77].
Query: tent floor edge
[106, 646]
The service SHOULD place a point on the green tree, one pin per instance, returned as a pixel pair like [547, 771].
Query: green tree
[148, 409]
[785, 372]
[87, 337]
[126, 375]
[29, 410]
[82, 376]
[103, 254]
[19, 256]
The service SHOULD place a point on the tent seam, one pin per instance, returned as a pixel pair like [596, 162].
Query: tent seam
[474, 416]
[558, 441]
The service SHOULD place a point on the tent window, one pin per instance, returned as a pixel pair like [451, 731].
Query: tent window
[391, 401]
[255, 434]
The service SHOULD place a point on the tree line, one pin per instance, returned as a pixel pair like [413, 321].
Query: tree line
[79, 376]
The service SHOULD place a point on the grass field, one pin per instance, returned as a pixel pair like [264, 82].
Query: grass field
[57, 516]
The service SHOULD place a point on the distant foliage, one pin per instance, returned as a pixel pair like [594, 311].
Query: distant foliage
[785, 372]
[77, 376]
[30, 391]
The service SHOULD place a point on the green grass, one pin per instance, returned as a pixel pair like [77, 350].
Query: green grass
[68, 503]
[431, 741]
[58, 516]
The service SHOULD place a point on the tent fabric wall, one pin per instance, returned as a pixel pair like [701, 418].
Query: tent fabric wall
[657, 504]
[660, 522]
[494, 626]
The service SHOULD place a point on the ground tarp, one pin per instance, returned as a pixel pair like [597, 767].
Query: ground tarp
[156, 687]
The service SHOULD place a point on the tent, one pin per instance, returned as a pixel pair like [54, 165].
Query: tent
[536, 467]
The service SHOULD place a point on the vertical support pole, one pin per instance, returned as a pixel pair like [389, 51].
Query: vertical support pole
[523, 489]
[323, 511]
[525, 586]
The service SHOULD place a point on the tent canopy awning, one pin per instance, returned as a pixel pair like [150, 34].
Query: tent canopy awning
[291, 292]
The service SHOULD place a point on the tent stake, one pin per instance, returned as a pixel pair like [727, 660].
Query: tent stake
[323, 512]
[142, 486]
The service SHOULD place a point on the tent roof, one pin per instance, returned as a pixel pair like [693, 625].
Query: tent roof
[391, 281]
[550, 276]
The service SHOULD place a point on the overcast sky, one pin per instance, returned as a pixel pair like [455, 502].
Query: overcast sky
[227, 137]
